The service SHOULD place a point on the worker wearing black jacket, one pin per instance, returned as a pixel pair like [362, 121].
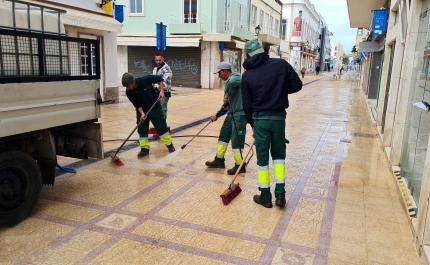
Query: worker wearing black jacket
[266, 84]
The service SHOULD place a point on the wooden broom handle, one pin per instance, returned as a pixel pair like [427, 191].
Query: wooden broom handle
[153, 105]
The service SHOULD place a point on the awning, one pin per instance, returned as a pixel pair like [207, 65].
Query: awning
[182, 41]
[240, 44]
[90, 20]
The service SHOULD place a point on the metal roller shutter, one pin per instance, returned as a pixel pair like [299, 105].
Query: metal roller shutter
[184, 62]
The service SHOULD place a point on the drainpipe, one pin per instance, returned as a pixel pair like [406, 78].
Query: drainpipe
[210, 61]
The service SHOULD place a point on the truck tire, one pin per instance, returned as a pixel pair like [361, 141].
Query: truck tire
[20, 186]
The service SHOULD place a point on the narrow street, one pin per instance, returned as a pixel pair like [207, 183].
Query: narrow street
[343, 203]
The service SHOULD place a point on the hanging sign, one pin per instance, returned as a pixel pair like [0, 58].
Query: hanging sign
[379, 22]
[107, 6]
[119, 13]
[161, 36]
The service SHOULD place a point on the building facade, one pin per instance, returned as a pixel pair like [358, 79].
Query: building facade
[402, 100]
[301, 27]
[200, 34]
[324, 58]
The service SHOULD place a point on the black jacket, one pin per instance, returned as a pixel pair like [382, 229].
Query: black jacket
[266, 84]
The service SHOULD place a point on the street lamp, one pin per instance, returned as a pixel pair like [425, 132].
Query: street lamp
[257, 30]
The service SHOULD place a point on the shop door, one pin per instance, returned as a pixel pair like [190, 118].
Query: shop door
[184, 62]
[234, 58]
[387, 90]
[417, 136]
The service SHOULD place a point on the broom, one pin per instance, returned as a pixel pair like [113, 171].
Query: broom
[233, 188]
[113, 155]
[166, 160]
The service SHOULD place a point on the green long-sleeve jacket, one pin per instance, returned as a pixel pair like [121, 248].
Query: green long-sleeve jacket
[232, 91]
[144, 95]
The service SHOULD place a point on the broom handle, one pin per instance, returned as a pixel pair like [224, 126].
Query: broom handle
[135, 128]
[241, 163]
[199, 132]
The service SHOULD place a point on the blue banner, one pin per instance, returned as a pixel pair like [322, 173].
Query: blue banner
[379, 22]
[119, 13]
[161, 36]
[221, 46]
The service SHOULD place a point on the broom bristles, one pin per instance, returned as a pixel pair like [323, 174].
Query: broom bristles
[228, 195]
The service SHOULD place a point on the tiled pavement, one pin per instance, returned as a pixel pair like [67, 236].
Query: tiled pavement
[343, 204]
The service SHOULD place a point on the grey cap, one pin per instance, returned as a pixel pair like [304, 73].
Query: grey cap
[223, 66]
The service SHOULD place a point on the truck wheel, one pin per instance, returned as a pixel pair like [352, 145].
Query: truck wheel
[20, 186]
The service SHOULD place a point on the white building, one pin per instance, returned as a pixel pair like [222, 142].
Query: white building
[302, 26]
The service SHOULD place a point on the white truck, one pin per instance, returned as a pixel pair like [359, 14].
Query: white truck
[49, 103]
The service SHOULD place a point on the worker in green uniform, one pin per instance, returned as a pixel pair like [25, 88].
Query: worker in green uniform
[234, 126]
[141, 93]
[266, 84]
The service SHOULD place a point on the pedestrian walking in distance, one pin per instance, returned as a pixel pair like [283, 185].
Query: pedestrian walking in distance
[142, 95]
[266, 84]
[234, 126]
[317, 69]
[303, 72]
[163, 69]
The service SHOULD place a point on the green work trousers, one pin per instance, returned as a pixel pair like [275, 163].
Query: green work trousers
[270, 136]
[163, 104]
[157, 119]
[228, 132]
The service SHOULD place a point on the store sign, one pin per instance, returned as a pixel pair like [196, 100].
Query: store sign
[379, 22]
[368, 46]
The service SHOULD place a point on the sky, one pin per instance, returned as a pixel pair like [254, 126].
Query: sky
[335, 14]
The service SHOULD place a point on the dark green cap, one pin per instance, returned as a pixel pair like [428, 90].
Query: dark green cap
[127, 79]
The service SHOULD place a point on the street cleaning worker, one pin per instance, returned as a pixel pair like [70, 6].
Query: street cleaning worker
[266, 84]
[163, 69]
[142, 95]
[234, 126]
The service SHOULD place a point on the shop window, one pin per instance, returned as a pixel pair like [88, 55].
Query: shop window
[136, 7]
[190, 11]
[254, 15]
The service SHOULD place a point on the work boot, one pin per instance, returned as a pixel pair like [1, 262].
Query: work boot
[258, 200]
[171, 148]
[217, 163]
[143, 152]
[233, 170]
[280, 200]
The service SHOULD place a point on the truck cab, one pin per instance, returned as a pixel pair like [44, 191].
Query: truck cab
[49, 104]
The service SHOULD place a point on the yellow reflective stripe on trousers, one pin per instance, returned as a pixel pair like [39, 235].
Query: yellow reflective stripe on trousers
[144, 143]
[237, 156]
[166, 138]
[263, 177]
[221, 150]
[279, 170]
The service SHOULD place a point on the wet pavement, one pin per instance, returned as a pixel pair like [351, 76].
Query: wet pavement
[343, 204]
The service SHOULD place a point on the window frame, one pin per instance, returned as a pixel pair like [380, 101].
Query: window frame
[261, 19]
[197, 12]
[241, 18]
[253, 15]
[136, 14]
